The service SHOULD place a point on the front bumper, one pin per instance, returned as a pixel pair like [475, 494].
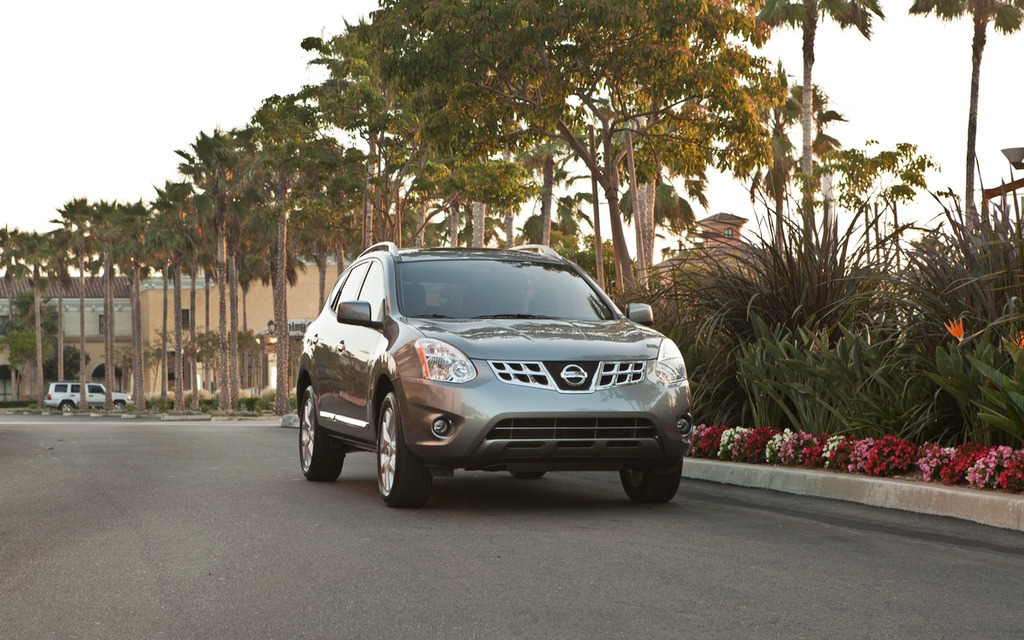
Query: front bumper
[495, 425]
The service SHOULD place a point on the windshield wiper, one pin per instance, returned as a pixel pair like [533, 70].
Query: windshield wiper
[437, 316]
[513, 316]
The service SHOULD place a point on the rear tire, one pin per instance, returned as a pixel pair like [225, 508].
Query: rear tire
[120, 405]
[321, 458]
[403, 480]
[650, 485]
[67, 405]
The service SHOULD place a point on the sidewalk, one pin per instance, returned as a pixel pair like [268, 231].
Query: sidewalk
[993, 508]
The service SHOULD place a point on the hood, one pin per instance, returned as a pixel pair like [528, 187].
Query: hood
[546, 339]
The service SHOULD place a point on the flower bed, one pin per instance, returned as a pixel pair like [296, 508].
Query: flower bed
[1000, 468]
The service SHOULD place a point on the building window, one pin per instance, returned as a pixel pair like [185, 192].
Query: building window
[102, 324]
[186, 318]
[728, 234]
[3, 324]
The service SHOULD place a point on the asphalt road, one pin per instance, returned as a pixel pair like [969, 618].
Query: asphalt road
[131, 529]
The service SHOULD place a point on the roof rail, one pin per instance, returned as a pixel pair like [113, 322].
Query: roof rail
[390, 247]
[542, 249]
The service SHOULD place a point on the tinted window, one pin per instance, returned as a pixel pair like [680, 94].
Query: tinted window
[60, 388]
[75, 388]
[373, 290]
[465, 289]
[95, 388]
[353, 282]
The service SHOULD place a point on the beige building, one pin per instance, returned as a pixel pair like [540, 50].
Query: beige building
[258, 370]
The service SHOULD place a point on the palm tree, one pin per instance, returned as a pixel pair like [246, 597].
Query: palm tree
[26, 258]
[105, 230]
[779, 119]
[61, 242]
[549, 159]
[210, 163]
[804, 14]
[132, 222]
[76, 219]
[177, 238]
[1006, 17]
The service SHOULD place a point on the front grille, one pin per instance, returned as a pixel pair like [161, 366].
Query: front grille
[548, 375]
[530, 374]
[573, 429]
[614, 374]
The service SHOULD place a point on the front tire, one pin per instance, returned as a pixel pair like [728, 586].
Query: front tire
[651, 485]
[320, 458]
[402, 479]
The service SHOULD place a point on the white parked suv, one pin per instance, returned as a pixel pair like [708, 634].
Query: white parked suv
[65, 396]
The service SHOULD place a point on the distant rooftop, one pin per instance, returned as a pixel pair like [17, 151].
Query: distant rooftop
[727, 218]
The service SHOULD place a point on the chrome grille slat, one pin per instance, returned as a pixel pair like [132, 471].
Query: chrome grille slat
[536, 374]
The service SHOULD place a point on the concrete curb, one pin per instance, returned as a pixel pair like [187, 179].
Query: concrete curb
[992, 508]
[290, 420]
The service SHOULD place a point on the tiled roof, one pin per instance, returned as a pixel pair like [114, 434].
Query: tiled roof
[723, 217]
[93, 288]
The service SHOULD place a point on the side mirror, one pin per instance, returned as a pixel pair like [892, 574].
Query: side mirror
[640, 314]
[356, 312]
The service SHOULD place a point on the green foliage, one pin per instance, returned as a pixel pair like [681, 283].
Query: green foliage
[858, 383]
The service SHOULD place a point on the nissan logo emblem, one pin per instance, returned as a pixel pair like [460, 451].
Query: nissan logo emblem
[574, 375]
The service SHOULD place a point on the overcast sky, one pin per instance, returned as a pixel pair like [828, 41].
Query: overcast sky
[98, 95]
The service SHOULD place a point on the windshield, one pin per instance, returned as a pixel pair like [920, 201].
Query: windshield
[478, 289]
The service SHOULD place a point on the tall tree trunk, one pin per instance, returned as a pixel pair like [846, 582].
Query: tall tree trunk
[634, 193]
[82, 400]
[222, 311]
[598, 248]
[546, 197]
[37, 303]
[807, 114]
[650, 202]
[478, 224]
[977, 49]
[108, 342]
[60, 325]
[453, 223]
[163, 337]
[421, 223]
[368, 196]
[322, 273]
[138, 352]
[233, 334]
[193, 369]
[179, 356]
[281, 315]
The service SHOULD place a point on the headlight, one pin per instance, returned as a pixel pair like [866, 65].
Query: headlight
[670, 368]
[443, 362]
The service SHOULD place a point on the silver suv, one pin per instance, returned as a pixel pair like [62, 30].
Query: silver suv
[66, 395]
[515, 361]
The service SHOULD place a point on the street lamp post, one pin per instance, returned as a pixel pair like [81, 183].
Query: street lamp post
[270, 354]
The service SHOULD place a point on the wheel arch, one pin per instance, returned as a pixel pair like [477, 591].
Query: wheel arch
[381, 389]
[302, 381]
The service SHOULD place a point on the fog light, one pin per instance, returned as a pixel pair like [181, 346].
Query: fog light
[441, 428]
[685, 425]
